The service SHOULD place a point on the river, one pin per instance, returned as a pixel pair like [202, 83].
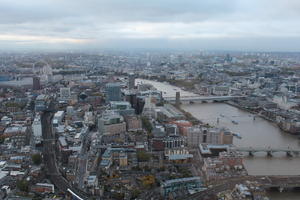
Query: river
[255, 133]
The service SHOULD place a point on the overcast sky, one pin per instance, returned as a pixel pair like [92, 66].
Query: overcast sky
[261, 25]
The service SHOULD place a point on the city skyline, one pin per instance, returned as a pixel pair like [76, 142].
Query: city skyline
[190, 25]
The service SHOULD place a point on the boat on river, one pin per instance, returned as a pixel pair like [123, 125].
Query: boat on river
[237, 135]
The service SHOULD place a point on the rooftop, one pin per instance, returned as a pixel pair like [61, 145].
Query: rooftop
[181, 180]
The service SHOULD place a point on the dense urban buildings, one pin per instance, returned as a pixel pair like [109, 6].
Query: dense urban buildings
[139, 129]
[149, 100]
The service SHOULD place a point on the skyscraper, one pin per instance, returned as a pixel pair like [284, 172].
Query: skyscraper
[36, 83]
[177, 99]
[131, 81]
[113, 92]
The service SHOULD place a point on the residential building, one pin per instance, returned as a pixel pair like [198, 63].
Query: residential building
[133, 123]
[43, 188]
[65, 93]
[18, 135]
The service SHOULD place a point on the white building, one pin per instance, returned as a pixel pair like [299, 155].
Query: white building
[149, 108]
[37, 129]
[59, 115]
[89, 118]
[6, 120]
[70, 111]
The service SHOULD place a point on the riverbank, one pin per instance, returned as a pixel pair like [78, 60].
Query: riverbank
[250, 111]
[285, 125]
[257, 133]
[259, 115]
[189, 116]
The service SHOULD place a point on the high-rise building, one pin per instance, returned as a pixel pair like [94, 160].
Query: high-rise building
[131, 81]
[177, 99]
[42, 102]
[113, 92]
[149, 108]
[36, 83]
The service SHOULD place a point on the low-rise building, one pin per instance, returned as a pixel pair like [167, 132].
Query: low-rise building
[43, 188]
[182, 125]
[18, 135]
[123, 159]
[123, 107]
[58, 118]
[227, 164]
[133, 123]
[190, 183]
[111, 123]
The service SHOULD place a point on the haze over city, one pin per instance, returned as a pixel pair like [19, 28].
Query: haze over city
[149, 99]
[248, 25]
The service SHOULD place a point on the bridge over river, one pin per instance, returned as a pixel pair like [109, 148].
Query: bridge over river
[269, 151]
[195, 99]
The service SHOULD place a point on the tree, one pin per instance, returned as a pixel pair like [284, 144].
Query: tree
[147, 124]
[118, 195]
[23, 185]
[2, 139]
[142, 156]
[135, 193]
[36, 159]
[148, 181]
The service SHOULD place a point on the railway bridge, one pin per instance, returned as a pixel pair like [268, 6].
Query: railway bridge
[268, 182]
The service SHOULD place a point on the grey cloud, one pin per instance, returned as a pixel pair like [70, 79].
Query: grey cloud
[112, 10]
[163, 23]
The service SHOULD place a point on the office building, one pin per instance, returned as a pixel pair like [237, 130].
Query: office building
[58, 118]
[42, 102]
[197, 135]
[36, 83]
[113, 92]
[111, 123]
[123, 107]
[131, 81]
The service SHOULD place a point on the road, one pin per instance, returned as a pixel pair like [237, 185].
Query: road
[82, 162]
[50, 158]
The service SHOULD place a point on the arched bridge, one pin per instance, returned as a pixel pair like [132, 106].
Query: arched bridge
[269, 150]
[201, 98]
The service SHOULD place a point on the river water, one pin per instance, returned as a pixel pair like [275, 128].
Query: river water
[254, 133]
